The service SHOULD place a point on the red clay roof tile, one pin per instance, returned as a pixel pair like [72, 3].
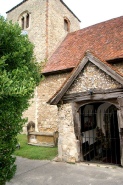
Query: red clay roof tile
[104, 39]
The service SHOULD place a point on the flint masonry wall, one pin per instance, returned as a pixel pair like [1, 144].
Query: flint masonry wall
[93, 78]
[46, 27]
[45, 116]
[48, 114]
[37, 24]
[119, 66]
[68, 146]
[56, 31]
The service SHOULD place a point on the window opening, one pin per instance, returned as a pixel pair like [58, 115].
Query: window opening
[27, 21]
[22, 22]
[66, 25]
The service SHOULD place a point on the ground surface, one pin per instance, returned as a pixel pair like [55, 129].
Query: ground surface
[35, 172]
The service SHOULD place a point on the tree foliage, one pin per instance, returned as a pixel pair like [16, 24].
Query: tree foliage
[19, 75]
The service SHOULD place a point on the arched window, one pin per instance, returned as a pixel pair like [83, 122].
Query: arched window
[22, 23]
[27, 20]
[66, 24]
[24, 20]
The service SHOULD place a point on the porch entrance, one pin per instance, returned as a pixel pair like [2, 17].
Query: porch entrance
[100, 133]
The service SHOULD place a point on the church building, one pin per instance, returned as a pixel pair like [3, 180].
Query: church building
[80, 101]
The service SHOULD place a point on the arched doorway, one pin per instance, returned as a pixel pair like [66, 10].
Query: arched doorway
[100, 133]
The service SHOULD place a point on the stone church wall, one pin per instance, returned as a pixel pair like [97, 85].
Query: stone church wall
[68, 146]
[46, 27]
[37, 26]
[45, 116]
[92, 78]
[48, 114]
[57, 13]
[119, 66]
[31, 113]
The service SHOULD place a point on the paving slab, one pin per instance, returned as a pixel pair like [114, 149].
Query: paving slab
[36, 172]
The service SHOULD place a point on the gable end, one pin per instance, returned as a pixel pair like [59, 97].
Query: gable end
[104, 66]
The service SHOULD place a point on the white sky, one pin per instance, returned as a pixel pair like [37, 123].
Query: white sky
[88, 11]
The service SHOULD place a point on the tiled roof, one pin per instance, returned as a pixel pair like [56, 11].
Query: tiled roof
[104, 39]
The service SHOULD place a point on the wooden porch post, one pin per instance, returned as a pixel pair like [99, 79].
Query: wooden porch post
[77, 126]
[120, 122]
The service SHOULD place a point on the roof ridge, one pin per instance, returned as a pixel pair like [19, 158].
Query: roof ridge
[94, 25]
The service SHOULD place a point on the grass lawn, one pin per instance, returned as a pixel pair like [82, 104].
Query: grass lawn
[34, 152]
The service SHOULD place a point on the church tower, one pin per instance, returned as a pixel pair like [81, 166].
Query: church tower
[46, 22]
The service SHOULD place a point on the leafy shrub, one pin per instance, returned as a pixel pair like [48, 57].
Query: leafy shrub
[19, 75]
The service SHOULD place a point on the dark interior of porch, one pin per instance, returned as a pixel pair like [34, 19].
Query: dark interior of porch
[100, 133]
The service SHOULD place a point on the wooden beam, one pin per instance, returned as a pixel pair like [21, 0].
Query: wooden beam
[120, 124]
[97, 95]
[120, 101]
